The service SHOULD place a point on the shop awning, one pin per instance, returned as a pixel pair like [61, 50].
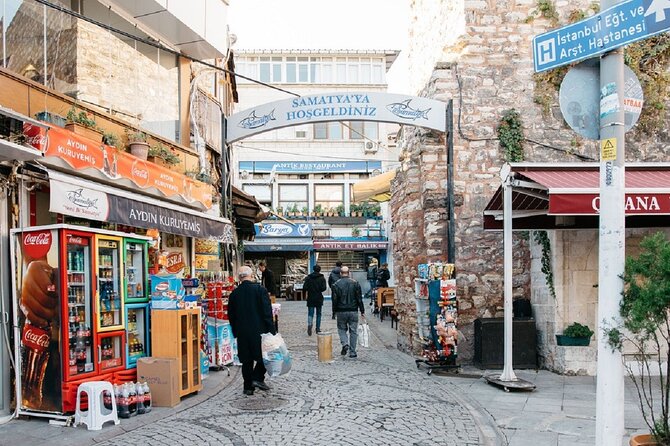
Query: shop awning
[377, 188]
[279, 244]
[9, 150]
[247, 211]
[567, 196]
[77, 197]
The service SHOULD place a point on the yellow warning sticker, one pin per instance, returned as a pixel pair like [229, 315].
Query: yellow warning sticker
[608, 149]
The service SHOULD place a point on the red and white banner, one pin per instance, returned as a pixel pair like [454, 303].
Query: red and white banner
[589, 204]
[349, 246]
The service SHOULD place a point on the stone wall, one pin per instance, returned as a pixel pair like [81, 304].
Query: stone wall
[485, 68]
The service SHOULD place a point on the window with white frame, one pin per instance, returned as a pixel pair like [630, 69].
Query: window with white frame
[262, 192]
[363, 130]
[329, 196]
[328, 130]
[292, 196]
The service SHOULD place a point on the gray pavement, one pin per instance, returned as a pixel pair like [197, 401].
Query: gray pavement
[380, 398]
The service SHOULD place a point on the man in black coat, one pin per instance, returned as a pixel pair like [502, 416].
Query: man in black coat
[314, 286]
[383, 276]
[267, 279]
[334, 274]
[347, 302]
[250, 315]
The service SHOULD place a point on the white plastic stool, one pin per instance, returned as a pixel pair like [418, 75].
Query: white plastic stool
[97, 414]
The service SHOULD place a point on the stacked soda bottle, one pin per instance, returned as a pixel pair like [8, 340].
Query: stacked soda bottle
[132, 399]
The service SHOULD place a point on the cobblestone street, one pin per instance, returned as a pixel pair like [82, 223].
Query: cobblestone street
[377, 399]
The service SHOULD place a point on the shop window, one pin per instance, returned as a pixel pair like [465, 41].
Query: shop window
[329, 196]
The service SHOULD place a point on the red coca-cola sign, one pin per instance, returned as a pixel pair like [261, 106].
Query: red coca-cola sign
[36, 245]
[36, 338]
[140, 173]
[76, 240]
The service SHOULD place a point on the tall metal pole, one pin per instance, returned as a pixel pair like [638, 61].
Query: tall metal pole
[449, 141]
[508, 369]
[612, 238]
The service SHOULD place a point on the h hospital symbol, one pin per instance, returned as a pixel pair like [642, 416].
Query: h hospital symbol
[546, 51]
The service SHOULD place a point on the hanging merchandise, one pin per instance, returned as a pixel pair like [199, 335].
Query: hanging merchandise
[437, 315]
[221, 347]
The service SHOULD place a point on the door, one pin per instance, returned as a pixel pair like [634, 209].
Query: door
[111, 351]
[135, 277]
[79, 359]
[194, 339]
[137, 329]
[109, 275]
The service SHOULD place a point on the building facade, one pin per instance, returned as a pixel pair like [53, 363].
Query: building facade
[306, 173]
[483, 61]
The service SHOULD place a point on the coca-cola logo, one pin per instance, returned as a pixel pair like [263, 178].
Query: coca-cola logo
[36, 338]
[37, 244]
[140, 173]
[75, 240]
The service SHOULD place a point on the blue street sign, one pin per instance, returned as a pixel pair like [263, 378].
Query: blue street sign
[619, 25]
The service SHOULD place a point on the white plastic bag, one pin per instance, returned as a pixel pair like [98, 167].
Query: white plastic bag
[364, 335]
[276, 357]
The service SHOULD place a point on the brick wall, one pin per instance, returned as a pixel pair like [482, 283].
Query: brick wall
[486, 67]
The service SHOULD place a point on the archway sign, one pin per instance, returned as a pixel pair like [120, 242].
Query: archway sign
[338, 106]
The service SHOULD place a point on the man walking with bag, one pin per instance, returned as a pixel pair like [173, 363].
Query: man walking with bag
[347, 302]
[250, 315]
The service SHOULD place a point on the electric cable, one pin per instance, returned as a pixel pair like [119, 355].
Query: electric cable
[322, 156]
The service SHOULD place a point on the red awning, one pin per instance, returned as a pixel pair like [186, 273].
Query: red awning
[549, 196]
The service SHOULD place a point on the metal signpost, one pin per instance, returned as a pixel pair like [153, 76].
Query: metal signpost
[619, 23]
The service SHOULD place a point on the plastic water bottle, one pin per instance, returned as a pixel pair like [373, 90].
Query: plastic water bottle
[139, 390]
[147, 397]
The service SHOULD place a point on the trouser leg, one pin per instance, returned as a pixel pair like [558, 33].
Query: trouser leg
[259, 372]
[318, 319]
[247, 374]
[342, 328]
[353, 331]
[310, 316]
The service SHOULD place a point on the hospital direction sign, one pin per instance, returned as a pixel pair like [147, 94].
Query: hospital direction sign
[619, 25]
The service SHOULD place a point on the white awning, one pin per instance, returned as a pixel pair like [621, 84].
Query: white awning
[377, 188]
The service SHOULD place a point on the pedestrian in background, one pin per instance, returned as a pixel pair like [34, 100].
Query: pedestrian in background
[314, 286]
[383, 276]
[250, 315]
[372, 278]
[347, 302]
[334, 274]
[268, 279]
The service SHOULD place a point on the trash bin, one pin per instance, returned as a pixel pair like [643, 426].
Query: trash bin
[325, 346]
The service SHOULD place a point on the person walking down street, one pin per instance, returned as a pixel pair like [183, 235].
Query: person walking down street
[383, 276]
[268, 279]
[334, 274]
[347, 302]
[250, 315]
[314, 285]
[372, 278]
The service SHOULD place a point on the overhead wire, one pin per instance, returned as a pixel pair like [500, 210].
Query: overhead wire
[322, 156]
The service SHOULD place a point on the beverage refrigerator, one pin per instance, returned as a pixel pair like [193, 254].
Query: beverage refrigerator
[69, 314]
[137, 327]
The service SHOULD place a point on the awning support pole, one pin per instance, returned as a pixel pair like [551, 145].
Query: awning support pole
[508, 370]
[449, 142]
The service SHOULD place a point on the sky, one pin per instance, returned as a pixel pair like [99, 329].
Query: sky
[323, 25]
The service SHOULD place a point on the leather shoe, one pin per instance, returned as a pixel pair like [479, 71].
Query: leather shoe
[345, 349]
[309, 330]
[353, 355]
[248, 392]
[260, 385]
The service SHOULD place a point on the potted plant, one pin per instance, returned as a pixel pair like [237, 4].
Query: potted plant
[355, 232]
[575, 334]
[643, 325]
[305, 211]
[354, 210]
[110, 139]
[339, 210]
[279, 210]
[163, 155]
[81, 124]
[318, 210]
[137, 142]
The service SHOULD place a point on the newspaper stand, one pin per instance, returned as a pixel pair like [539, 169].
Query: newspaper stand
[437, 316]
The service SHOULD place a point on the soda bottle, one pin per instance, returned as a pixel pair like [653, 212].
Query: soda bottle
[107, 400]
[122, 402]
[132, 399]
[147, 397]
[34, 359]
[139, 390]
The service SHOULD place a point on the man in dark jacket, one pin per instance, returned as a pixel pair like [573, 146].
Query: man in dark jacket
[267, 279]
[314, 286]
[334, 274]
[347, 301]
[250, 315]
[383, 276]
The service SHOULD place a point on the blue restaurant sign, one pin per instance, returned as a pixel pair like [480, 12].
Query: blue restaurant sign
[283, 230]
[619, 25]
[310, 166]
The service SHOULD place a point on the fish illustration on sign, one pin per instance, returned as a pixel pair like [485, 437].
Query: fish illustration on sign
[403, 110]
[253, 122]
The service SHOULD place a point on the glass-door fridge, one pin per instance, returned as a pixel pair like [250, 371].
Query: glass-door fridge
[137, 327]
[79, 351]
[135, 278]
[109, 275]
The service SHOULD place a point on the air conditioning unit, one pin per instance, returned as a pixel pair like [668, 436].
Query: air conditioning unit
[244, 174]
[370, 147]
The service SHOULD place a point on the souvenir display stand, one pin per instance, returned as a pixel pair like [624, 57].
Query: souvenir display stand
[437, 316]
[220, 345]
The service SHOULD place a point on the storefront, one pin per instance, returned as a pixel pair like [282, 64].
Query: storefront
[286, 248]
[353, 253]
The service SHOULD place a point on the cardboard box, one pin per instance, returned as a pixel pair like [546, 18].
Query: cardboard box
[162, 375]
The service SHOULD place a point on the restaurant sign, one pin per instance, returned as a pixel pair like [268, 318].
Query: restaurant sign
[283, 230]
[589, 204]
[349, 245]
[83, 154]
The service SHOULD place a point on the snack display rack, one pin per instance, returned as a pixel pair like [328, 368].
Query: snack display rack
[437, 316]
